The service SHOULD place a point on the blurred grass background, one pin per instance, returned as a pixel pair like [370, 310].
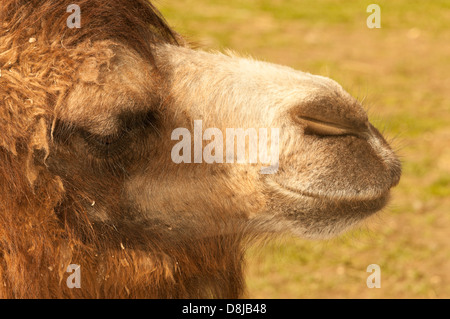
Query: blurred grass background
[402, 73]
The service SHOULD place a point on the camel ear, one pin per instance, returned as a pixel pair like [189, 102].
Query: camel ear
[95, 59]
[89, 70]
[38, 150]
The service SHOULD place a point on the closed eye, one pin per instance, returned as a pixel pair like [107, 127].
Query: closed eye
[131, 127]
[104, 140]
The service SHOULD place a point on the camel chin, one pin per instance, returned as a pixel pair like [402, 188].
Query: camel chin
[320, 216]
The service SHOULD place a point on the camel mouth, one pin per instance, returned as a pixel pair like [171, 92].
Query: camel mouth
[316, 215]
[367, 203]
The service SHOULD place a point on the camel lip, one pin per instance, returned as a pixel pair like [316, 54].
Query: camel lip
[281, 187]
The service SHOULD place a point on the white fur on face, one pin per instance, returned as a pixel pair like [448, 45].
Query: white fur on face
[231, 91]
[341, 160]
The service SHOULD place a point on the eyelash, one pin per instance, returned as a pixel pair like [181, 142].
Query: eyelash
[108, 140]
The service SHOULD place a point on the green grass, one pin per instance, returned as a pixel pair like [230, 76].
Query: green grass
[401, 71]
[440, 187]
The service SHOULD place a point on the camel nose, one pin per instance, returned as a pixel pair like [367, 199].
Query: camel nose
[389, 157]
[332, 116]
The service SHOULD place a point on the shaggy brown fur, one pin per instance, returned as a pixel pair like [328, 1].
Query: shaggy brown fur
[42, 229]
[86, 177]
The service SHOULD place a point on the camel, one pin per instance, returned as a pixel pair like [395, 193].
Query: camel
[86, 174]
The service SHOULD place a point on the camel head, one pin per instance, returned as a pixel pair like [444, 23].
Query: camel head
[333, 167]
[112, 142]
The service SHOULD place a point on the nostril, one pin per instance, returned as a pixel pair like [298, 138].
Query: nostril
[332, 113]
[313, 126]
